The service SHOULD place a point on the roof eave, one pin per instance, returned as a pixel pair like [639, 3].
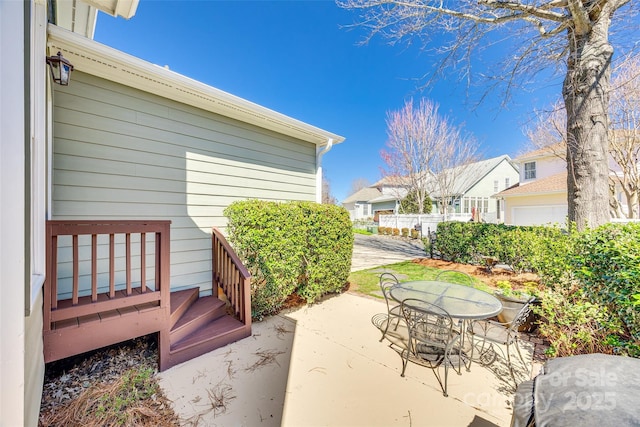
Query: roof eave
[537, 193]
[102, 61]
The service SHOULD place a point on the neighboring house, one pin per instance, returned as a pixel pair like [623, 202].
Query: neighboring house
[125, 140]
[475, 184]
[367, 203]
[540, 197]
[358, 204]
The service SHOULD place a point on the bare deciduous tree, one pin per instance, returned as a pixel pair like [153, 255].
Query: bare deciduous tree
[358, 184]
[549, 130]
[327, 197]
[624, 135]
[422, 147]
[570, 36]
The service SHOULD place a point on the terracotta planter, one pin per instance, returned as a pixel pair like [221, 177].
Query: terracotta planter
[511, 306]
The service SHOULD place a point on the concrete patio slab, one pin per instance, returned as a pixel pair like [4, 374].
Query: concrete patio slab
[323, 365]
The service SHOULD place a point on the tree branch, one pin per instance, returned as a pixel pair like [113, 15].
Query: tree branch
[525, 9]
[581, 21]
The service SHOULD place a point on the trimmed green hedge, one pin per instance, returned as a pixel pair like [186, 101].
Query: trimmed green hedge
[301, 247]
[537, 249]
[607, 264]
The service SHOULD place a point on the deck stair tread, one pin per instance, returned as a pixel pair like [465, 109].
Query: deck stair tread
[210, 332]
[201, 312]
[180, 303]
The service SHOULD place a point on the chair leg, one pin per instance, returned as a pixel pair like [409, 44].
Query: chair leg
[397, 324]
[405, 361]
[446, 377]
[385, 329]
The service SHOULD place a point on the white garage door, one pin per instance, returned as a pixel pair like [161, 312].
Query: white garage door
[539, 215]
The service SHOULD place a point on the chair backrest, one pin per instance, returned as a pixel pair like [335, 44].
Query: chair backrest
[387, 281]
[522, 316]
[455, 276]
[428, 324]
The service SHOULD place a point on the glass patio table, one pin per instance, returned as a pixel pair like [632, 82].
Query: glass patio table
[461, 302]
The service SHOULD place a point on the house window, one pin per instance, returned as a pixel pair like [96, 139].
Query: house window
[495, 186]
[506, 183]
[365, 210]
[530, 170]
[466, 205]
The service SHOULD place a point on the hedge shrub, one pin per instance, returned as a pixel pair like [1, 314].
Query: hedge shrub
[538, 249]
[290, 247]
[607, 264]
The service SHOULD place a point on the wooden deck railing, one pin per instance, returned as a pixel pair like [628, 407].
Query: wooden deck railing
[100, 285]
[230, 275]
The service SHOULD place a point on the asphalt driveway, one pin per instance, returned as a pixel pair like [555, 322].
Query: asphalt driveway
[373, 251]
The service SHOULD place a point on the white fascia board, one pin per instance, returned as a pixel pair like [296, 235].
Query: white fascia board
[123, 8]
[102, 61]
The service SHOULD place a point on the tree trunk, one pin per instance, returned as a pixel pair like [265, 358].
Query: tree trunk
[586, 96]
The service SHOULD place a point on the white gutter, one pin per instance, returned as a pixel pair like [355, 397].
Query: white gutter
[321, 151]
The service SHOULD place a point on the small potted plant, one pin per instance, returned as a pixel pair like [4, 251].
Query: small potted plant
[513, 300]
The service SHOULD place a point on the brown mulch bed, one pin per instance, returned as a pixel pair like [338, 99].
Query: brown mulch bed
[480, 272]
[73, 387]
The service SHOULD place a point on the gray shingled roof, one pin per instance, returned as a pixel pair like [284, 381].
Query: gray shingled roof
[363, 195]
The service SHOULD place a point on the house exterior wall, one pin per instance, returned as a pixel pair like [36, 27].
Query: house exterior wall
[358, 210]
[13, 35]
[33, 364]
[545, 166]
[124, 153]
[542, 202]
[22, 209]
[479, 196]
[486, 186]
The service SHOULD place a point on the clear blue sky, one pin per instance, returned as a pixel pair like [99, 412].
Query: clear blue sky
[296, 58]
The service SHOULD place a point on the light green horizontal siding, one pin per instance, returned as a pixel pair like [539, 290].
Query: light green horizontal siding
[123, 153]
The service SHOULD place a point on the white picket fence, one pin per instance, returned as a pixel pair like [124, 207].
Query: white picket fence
[427, 222]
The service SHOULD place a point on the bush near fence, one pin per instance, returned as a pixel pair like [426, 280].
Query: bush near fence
[300, 247]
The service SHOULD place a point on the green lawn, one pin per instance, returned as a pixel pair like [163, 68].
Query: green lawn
[366, 281]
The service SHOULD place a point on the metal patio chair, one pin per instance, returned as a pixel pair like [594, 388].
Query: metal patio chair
[489, 335]
[433, 339]
[387, 282]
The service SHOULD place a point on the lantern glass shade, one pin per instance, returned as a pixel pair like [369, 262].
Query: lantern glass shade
[60, 69]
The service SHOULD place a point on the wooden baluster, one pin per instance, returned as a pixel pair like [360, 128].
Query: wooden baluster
[158, 261]
[94, 267]
[53, 272]
[128, 261]
[112, 267]
[74, 295]
[143, 262]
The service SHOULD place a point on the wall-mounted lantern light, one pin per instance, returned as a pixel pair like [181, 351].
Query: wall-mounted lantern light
[60, 69]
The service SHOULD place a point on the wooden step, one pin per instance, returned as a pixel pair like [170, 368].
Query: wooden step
[180, 303]
[200, 313]
[209, 337]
